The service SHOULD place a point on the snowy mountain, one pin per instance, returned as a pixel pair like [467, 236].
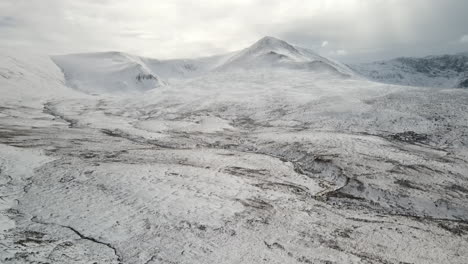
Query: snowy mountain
[120, 72]
[271, 154]
[449, 71]
[30, 77]
[182, 69]
[107, 72]
[117, 72]
[270, 52]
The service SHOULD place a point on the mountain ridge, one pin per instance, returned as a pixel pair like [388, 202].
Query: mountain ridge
[447, 71]
[112, 71]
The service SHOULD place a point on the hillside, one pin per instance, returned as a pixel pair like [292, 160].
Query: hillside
[117, 72]
[105, 72]
[271, 154]
[447, 71]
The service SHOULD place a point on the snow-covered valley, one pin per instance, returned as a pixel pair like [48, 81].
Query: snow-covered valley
[272, 154]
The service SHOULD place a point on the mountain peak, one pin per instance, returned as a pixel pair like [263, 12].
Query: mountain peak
[271, 52]
[269, 39]
[272, 42]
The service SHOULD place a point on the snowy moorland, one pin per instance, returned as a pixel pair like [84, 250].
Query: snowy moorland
[272, 154]
[447, 71]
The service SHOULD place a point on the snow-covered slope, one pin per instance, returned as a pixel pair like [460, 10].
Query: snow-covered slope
[107, 72]
[111, 72]
[272, 164]
[266, 53]
[449, 71]
[181, 69]
[271, 53]
[30, 77]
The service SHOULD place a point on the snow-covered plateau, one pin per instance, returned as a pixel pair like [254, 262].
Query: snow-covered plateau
[272, 154]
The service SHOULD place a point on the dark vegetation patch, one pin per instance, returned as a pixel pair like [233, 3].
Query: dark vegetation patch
[344, 233]
[463, 84]
[246, 172]
[28, 241]
[50, 110]
[140, 77]
[274, 245]
[410, 137]
[408, 184]
[458, 229]
[288, 187]
[457, 188]
[256, 203]
[343, 195]
[88, 155]
[248, 123]
[6, 133]
[112, 133]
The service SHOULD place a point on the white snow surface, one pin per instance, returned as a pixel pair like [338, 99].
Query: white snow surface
[107, 72]
[245, 158]
[117, 72]
[446, 71]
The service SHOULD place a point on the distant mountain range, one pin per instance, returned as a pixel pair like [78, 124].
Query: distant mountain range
[449, 71]
[122, 72]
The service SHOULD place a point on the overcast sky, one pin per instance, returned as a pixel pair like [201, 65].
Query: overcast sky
[349, 30]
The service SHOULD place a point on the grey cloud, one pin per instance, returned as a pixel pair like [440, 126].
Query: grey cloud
[355, 30]
[7, 21]
[383, 29]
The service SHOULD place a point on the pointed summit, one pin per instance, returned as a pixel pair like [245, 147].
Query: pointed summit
[272, 44]
[268, 40]
[270, 52]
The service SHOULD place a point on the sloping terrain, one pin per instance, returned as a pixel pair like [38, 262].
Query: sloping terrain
[447, 71]
[263, 165]
[107, 72]
[270, 52]
[117, 72]
[182, 69]
[29, 77]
